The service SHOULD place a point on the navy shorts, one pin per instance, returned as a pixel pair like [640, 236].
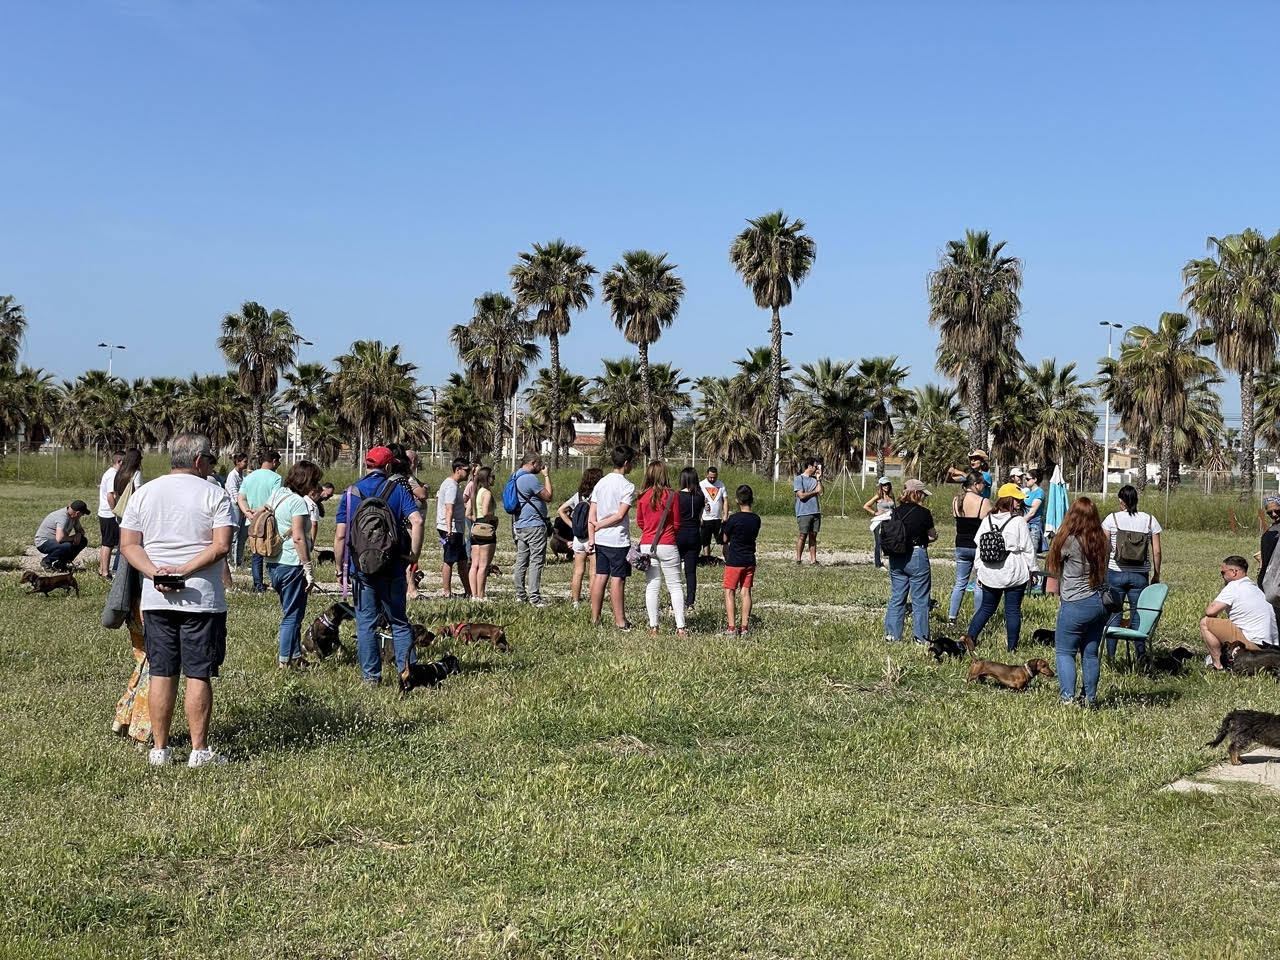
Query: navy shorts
[455, 548]
[109, 531]
[181, 641]
[612, 561]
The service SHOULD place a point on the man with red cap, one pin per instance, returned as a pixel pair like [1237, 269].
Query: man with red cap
[381, 594]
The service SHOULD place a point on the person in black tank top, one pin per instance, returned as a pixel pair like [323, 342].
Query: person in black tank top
[968, 509]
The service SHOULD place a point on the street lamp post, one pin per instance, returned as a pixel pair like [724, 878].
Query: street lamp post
[434, 421]
[1106, 430]
[294, 427]
[111, 348]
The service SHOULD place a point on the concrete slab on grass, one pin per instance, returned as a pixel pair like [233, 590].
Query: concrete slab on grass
[1260, 768]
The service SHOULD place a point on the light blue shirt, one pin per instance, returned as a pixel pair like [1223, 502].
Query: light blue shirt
[811, 506]
[533, 509]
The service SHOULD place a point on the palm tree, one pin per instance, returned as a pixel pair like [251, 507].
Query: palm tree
[753, 380]
[973, 298]
[157, 402]
[30, 405]
[1236, 293]
[827, 411]
[376, 393]
[497, 348]
[324, 435]
[307, 393]
[213, 405]
[541, 395]
[615, 401]
[1063, 420]
[771, 254]
[929, 437]
[644, 296]
[259, 345]
[555, 278]
[461, 413]
[1114, 386]
[97, 411]
[725, 424]
[1267, 385]
[881, 380]
[13, 326]
[1164, 363]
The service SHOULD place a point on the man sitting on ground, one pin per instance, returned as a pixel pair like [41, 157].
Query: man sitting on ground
[60, 537]
[1250, 618]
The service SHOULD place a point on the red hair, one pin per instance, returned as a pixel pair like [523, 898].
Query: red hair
[1082, 523]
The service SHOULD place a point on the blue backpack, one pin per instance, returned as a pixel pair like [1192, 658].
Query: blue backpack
[511, 496]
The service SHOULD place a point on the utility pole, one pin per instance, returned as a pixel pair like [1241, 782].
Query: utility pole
[1106, 430]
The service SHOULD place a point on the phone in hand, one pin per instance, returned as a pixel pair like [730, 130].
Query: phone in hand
[170, 581]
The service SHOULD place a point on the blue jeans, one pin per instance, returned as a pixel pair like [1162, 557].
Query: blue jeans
[1012, 612]
[377, 598]
[964, 568]
[291, 584]
[1130, 584]
[61, 554]
[1078, 630]
[909, 573]
[1036, 527]
[239, 531]
[256, 567]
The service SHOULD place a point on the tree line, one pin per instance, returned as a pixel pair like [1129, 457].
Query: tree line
[1163, 385]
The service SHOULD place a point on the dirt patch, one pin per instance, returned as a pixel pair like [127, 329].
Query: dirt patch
[840, 558]
[30, 560]
[1260, 768]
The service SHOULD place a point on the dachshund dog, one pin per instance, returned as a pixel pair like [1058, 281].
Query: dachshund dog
[325, 637]
[422, 638]
[428, 674]
[324, 555]
[1167, 661]
[1240, 659]
[1246, 727]
[46, 583]
[940, 647]
[1010, 675]
[471, 632]
[1043, 636]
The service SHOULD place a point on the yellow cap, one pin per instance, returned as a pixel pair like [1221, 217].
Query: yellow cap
[1010, 490]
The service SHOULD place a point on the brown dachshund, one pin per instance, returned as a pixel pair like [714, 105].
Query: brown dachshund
[422, 638]
[471, 632]
[1013, 676]
[45, 583]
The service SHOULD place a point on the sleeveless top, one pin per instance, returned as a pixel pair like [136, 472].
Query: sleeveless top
[966, 527]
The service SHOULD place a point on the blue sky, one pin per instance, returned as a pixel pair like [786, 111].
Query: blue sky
[374, 167]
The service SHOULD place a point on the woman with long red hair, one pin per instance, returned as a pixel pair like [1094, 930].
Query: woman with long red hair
[1078, 558]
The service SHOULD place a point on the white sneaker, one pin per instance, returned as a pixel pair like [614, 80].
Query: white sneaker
[160, 756]
[205, 758]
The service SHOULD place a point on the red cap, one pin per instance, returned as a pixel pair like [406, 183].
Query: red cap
[378, 458]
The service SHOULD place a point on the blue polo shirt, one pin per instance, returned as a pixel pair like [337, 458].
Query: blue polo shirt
[399, 499]
[533, 509]
[803, 484]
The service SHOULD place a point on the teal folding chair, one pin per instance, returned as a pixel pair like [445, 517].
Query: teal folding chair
[1150, 606]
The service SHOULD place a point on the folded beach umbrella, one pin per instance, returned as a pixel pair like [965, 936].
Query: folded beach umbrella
[1056, 508]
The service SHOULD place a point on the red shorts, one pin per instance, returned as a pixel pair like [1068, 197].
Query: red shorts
[735, 577]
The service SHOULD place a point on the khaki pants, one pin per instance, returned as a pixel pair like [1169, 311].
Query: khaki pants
[1224, 631]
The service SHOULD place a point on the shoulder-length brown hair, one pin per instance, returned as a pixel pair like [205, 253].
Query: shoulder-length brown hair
[657, 480]
[1082, 523]
[912, 496]
[304, 476]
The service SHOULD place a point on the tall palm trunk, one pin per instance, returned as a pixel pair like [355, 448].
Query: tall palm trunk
[557, 401]
[975, 398]
[1247, 429]
[1166, 452]
[775, 401]
[880, 444]
[646, 395]
[1144, 457]
[255, 428]
[499, 412]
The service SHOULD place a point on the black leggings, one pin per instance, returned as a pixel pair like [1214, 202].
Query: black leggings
[689, 550]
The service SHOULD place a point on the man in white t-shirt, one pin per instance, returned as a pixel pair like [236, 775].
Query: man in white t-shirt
[715, 508]
[108, 524]
[609, 536]
[178, 528]
[1251, 620]
[451, 526]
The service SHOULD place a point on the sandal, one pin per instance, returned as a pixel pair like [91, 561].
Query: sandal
[681, 632]
[653, 633]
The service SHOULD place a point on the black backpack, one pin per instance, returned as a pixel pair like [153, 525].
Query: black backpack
[1131, 545]
[580, 514]
[991, 545]
[373, 533]
[894, 539]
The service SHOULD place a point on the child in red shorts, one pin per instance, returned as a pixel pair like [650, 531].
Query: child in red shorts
[739, 535]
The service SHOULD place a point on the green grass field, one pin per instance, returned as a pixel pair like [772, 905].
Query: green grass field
[803, 793]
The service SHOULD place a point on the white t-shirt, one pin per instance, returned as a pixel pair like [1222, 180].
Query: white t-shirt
[1250, 611]
[105, 486]
[176, 515]
[314, 510]
[713, 496]
[1136, 523]
[609, 495]
[450, 492]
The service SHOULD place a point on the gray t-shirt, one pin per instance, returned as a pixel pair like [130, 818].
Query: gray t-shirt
[47, 531]
[1073, 584]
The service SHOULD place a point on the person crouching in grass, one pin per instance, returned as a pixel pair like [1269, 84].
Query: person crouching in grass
[739, 535]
